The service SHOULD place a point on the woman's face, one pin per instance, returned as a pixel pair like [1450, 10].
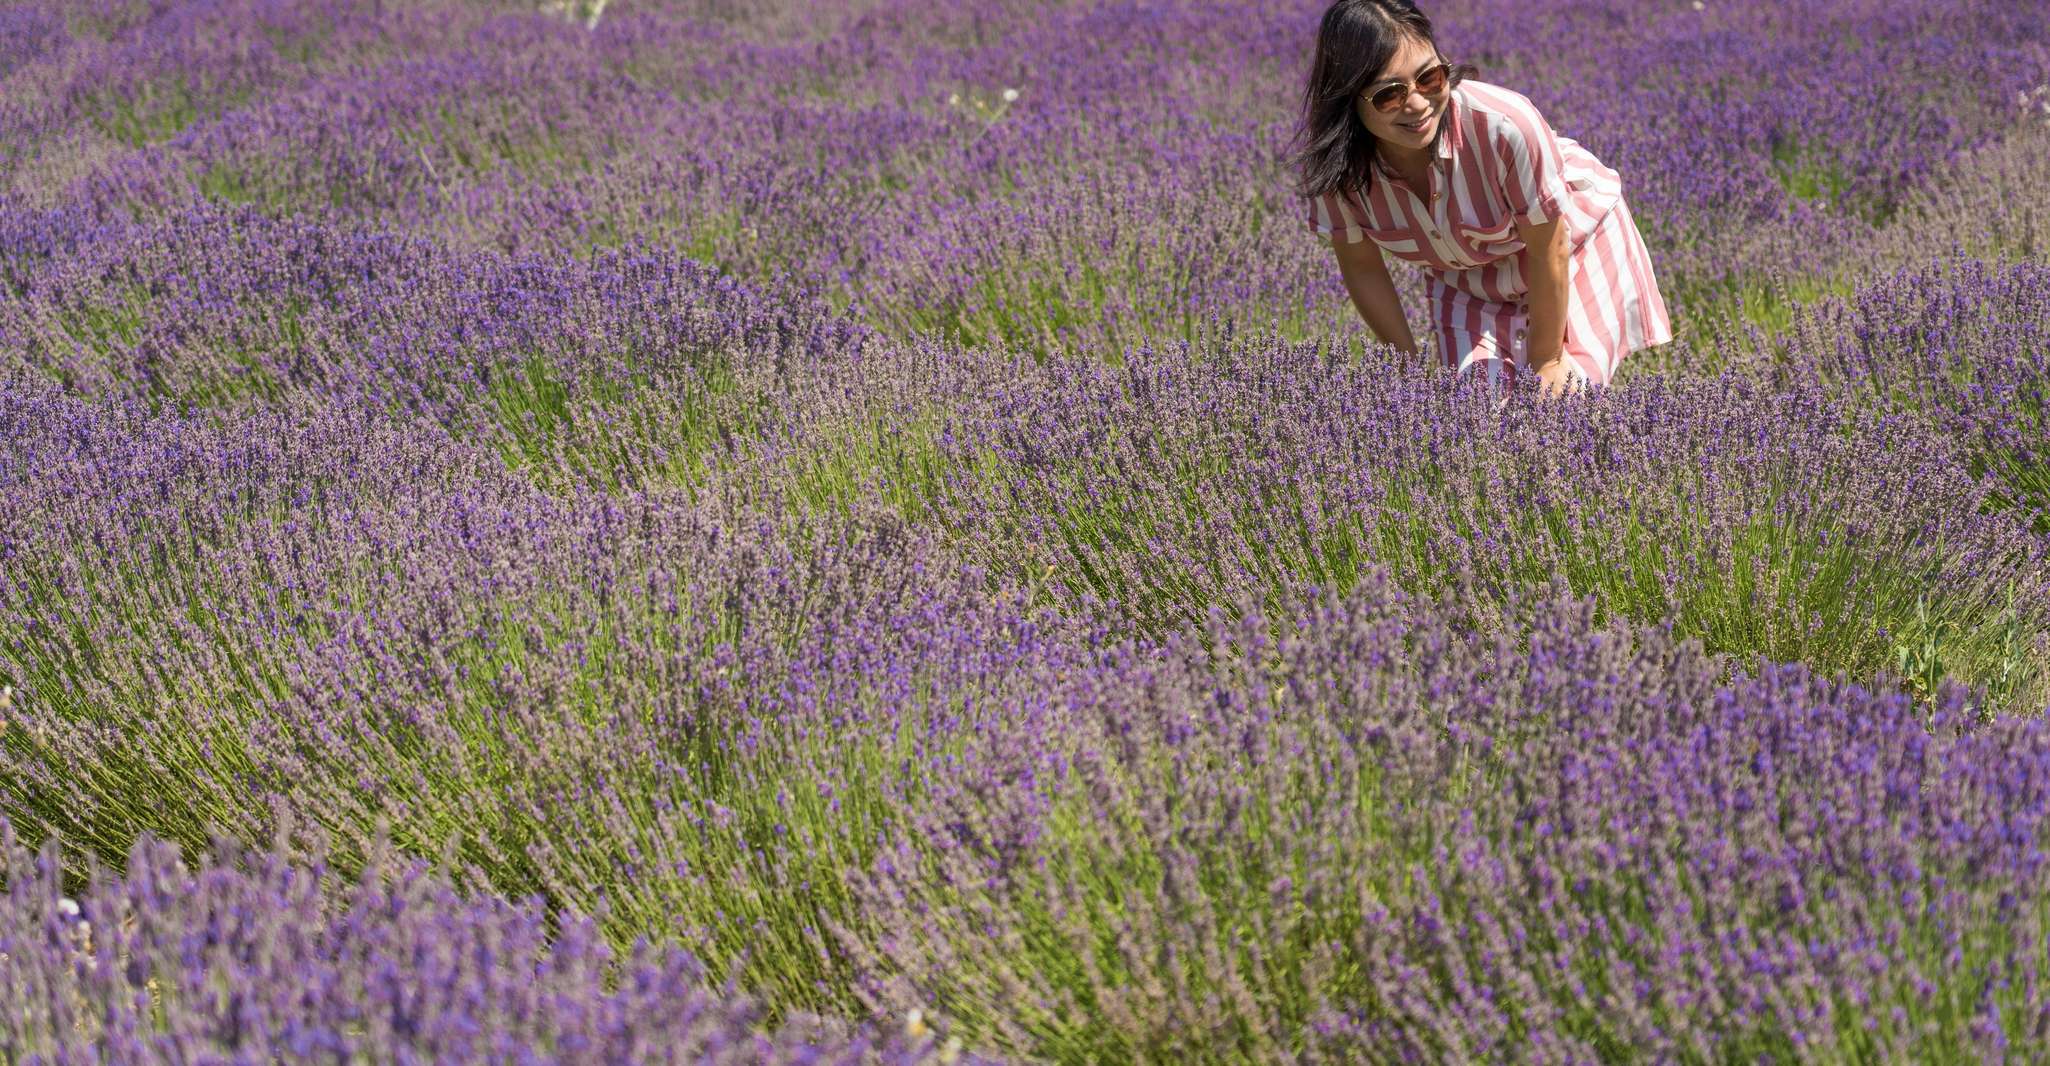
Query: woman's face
[1415, 122]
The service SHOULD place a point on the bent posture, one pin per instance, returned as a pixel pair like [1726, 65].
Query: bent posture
[1532, 259]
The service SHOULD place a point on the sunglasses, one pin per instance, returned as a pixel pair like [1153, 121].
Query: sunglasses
[1389, 98]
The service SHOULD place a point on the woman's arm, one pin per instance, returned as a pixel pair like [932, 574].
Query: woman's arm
[1366, 279]
[1546, 271]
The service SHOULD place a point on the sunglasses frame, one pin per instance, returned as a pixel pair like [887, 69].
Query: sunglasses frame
[1442, 71]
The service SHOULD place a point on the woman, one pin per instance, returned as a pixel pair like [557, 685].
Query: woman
[1532, 259]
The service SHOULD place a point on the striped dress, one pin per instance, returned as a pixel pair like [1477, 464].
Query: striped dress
[1499, 163]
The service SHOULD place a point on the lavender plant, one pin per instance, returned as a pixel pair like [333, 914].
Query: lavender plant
[1760, 522]
[853, 532]
[1966, 345]
[248, 956]
[1383, 837]
[630, 706]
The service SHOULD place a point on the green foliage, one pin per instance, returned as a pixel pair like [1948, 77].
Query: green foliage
[1107, 881]
[899, 463]
[103, 325]
[150, 116]
[232, 184]
[637, 431]
[1807, 174]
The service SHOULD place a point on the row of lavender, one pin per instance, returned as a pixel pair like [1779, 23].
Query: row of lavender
[276, 961]
[1344, 826]
[937, 168]
[1889, 485]
[748, 616]
[737, 691]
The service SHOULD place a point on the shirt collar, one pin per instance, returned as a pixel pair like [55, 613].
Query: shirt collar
[1450, 132]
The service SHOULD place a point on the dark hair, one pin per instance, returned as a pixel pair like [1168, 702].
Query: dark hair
[1355, 40]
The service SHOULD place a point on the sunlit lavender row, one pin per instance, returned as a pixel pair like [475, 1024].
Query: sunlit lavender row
[1341, 830]
[870, 533]
[295, 963]
[938, 165]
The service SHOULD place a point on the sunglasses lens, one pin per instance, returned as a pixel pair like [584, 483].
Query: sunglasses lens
[1430, 83]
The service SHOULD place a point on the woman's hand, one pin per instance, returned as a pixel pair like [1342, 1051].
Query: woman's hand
[1555, 377]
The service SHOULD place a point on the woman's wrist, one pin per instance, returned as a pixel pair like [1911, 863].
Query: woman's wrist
[1541, 351]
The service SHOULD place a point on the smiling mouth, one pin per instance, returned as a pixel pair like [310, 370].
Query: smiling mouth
[1418, 125]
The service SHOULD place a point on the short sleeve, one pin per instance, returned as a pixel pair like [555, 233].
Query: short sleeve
[1336, 217]
[1533, 167]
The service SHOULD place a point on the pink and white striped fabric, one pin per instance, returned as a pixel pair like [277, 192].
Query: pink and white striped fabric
[1499, 162]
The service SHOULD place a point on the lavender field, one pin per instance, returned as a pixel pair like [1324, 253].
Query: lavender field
[858, 531]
